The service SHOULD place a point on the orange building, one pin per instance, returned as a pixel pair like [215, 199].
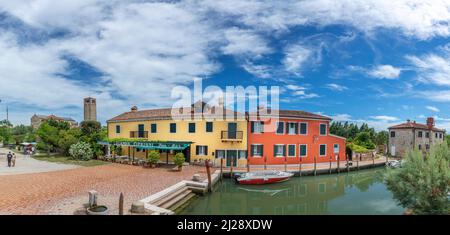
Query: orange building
[292, 137]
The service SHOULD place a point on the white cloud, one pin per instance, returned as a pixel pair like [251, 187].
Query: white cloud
[300, 92]
[385, 71]
[261, 71]
[295, 57]
[384, 118]
[244, 42]
[432, 68]
[432, 108]
[336, 87]
[435, 95]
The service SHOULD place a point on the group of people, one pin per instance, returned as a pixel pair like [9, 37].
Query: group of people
[11, 158]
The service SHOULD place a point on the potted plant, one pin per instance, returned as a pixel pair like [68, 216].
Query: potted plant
[179, 159]
[153, 158]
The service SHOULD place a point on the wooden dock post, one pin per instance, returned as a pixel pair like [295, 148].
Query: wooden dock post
[248, 167]
[347, 163]
[300, 167]
[285, 163]
[265, 162]
[208, 172]
[373, 159]
[231, 168]
[329, 170]
[221, 168]
[315, 163]
[357, 162]
[338, 167]
[121, 204]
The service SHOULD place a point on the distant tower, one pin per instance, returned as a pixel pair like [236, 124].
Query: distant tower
[90, 109]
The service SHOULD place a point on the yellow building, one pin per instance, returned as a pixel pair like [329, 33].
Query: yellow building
[199, 139]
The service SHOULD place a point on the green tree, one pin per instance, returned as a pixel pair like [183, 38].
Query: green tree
[179, 159]
[153, 157]
[67, 138]
[90, 127]
[423, 183]
[48, 137]
[382, 138]
[364, 139]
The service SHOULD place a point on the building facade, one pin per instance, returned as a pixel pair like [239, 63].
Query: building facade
[292, 137]
[37, 120]
[90, 109]
[410, 135]
[297, 137]
[209, 138]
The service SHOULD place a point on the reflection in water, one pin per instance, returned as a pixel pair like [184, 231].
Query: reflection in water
[360, 192]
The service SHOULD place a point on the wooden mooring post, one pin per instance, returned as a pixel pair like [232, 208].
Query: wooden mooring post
[121, 204]
[231, 168]
[221, 169]
[315, 165]
[248, 167]
[357, 162]
[300, 167]
[329, 170]
[373, 159]
[285, 163]
[338, 167]
[208, 172]
[265, 162]
[348, 167]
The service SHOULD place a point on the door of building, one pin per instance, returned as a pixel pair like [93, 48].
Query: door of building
[393, 150]
[232, 156]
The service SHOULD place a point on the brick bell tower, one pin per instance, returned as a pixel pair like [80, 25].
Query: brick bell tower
[90, 109]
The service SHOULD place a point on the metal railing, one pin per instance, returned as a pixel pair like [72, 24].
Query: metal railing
[232, 135]
[138, 134]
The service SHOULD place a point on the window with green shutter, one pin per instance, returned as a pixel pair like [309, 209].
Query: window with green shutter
[117, 129]
[280, 127]
[209, 127]
[323, 150]
[303, 128]
[279, 150]
[173, 128]
[291, 150]
[303, 150]
[256, 150]
[191, 127]
[323, 129]
[153, 128]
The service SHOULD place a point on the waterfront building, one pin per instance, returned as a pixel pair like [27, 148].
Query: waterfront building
[409, 135]
[208, 137]
[37, 120]
[294, 137]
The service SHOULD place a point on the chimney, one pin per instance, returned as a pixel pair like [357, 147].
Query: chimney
[134, 109]
[430, 122]
[408, 121]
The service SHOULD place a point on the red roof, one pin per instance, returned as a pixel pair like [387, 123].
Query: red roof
[411, 125]
[295, 114]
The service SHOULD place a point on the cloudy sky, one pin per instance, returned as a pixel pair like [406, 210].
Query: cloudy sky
[376, 61]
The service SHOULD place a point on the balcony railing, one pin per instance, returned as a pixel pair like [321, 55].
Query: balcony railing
[138, 134]
[232, 135]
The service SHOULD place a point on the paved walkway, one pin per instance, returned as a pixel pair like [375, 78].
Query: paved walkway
[26, 165]
[62, 192]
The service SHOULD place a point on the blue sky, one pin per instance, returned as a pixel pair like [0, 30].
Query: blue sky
[373, 61]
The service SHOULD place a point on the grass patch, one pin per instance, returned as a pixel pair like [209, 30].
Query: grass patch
[67, 160]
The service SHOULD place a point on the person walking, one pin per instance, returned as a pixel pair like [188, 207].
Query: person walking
[9, 158]
[13, 160]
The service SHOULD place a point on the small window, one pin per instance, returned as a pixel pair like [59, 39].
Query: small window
[153, 128]
[279, 150]
[257, 127]
[420, 147]
[280, 127]
[291, 150]
[303, 128]
[427, 134]
[323, 129]
[292, 128]
[419, 134]
[209, 127]
[303, 150]
[256, 150]
[117, 129]
[336, 148]
[141, 129]
[173, 128]
[427, 146]
[191, 127]
[323, 150]
[201, 150]
[220, 153]
[392, 134]
[440, 135]
[436, 135]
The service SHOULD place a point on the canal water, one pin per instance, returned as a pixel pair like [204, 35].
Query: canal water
[359, 192]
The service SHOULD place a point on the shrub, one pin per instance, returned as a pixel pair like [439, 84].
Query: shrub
[423, 183]
[179, 159]
[357, 148]
[153, 157]
[81, 151]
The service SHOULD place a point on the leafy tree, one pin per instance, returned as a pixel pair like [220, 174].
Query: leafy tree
[179, 159]
[90, 127]
[48, 135]
[67, 138]
[5, 133]
[153, 157]
[382, 138]
[81, 151]
[60, 125]
[364, 139]
[423, 183]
